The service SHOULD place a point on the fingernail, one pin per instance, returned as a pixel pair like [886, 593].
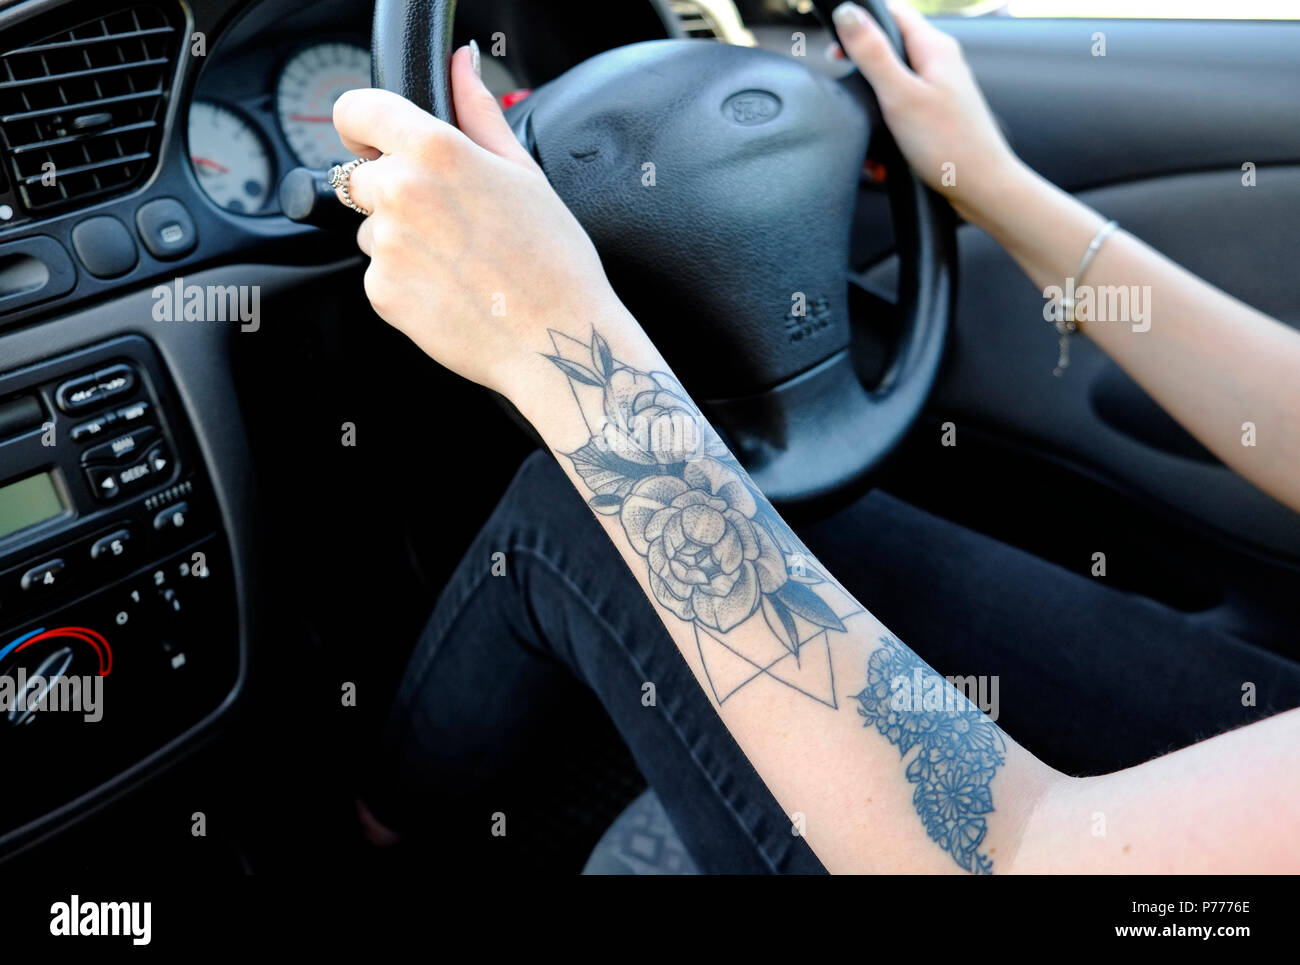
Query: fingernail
[474, 58]
[849, 17]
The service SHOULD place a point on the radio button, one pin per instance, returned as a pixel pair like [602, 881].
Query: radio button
[121, 447]
[109, 481]
[173, 517]
[115, 380]
[44, 576]
[89, 430]
[103, 482]
[159, 460]
[131, 413]
[89, 390]
[77, 394]
[110, 547]
[131, 475]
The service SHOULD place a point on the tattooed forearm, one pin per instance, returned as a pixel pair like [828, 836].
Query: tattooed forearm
[719, 557]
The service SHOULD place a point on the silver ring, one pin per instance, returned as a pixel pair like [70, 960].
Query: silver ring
[340, 176]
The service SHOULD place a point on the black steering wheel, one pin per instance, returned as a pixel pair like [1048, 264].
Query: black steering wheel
[719, 184]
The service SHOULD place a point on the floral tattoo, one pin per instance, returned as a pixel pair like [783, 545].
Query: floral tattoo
[719, 557]
[958, 748]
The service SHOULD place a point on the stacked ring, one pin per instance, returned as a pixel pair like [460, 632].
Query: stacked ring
[339, 177]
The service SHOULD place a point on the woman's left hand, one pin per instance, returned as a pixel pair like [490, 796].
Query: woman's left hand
[473, 255]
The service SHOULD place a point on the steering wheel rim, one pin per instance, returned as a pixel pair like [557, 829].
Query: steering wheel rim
[815, 435]
[410, 52]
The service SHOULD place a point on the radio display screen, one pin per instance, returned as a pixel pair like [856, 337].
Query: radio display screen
[28, 502]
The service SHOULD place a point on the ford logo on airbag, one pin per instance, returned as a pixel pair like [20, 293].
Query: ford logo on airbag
[751, 107]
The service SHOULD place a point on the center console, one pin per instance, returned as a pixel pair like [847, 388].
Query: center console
[118, 618]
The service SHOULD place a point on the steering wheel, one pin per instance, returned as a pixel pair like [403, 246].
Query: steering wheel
[719, 184]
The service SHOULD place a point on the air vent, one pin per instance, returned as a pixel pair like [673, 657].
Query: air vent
[82, 111]
[712, 20]
[693, 20]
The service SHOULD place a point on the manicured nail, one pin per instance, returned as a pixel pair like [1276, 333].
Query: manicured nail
[474, 58]
[849, 17]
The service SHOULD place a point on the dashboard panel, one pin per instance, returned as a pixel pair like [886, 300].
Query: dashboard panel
[271, 81]
[153, 467]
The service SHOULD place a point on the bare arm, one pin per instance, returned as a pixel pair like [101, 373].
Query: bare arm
[1212, 362]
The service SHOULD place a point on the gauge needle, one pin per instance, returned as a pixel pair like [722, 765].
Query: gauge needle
[312, 118]
[209, 163]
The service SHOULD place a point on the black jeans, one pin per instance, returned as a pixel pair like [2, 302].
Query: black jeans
[1091, 679]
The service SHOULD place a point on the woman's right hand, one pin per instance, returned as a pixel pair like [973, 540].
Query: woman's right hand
[934, 108]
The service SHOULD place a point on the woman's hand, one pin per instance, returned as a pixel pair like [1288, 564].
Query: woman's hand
[473, 255]
[934, 109]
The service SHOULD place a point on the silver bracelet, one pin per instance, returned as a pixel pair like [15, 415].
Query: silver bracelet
[1066, 324]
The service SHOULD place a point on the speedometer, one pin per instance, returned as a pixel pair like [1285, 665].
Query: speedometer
[310, 83]
[228, 158]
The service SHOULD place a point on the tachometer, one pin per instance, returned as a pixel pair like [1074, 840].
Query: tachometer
[304, 98]
[229, 158]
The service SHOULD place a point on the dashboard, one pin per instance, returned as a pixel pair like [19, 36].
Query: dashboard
[237, 145]
[264, 102]
[141, 146]
[229, 150]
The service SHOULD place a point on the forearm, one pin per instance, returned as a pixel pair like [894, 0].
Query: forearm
[1212, 362]
[778, 647]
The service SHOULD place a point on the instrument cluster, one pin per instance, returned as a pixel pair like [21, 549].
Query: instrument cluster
[264, 100]
[237, 156]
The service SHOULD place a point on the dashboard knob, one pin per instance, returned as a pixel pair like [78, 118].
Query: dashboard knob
[306, 197]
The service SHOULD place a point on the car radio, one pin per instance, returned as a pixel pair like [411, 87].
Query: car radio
[118, 622]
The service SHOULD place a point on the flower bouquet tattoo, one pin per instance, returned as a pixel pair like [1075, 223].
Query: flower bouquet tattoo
[716, 553]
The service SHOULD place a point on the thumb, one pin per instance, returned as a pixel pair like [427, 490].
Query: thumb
[867, 46]
[477, 111]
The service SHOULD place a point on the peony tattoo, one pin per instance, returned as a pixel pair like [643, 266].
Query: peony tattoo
[716, 554]
[709, 560]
